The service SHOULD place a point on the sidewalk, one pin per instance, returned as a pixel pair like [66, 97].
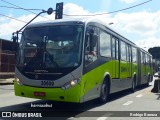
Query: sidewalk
[6, 75]
[8, 81]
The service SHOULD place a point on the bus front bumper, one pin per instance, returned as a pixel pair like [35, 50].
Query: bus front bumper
[55, 94]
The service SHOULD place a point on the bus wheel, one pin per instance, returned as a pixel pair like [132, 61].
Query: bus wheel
[104, 92]
[133, 85]
[147, 84]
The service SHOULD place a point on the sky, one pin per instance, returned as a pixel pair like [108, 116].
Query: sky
[140, 24]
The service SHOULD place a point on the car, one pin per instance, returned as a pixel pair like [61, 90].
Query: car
[157, 74]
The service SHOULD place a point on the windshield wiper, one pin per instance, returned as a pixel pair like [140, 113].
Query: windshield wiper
[51, 59]
[45, 38]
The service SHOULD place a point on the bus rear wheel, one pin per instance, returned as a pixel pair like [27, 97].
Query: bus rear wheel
[148, 80]
[104, 92]
[133, 85]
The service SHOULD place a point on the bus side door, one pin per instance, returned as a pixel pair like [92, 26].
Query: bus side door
[125, 66]
[129, 62]
[115, 57]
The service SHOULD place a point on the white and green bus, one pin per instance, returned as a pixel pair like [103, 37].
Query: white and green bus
[78, 60]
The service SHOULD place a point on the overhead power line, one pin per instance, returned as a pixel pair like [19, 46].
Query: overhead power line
[19, 8]
[22, 8]
[13, 18]
[113, 11]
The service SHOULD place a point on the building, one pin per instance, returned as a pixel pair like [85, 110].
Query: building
[7, 58]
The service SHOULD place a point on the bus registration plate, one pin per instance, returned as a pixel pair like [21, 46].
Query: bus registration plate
[39, 94]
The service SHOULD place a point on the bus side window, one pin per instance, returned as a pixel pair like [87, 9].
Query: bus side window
[117, 49]
[105, 44]
[134, 55]
[113, 48]
[123, 51]
[91, 45]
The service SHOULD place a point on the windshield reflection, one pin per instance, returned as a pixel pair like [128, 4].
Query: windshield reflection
[51, 47]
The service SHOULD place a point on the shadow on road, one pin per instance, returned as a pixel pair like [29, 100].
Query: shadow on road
[58, 109]
[66, 110]
[124, 93]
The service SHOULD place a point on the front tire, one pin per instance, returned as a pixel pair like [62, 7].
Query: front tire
[104, 92]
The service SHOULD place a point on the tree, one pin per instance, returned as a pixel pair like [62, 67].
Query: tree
[155, 52]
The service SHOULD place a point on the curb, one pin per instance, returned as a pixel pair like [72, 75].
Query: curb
[6, 81]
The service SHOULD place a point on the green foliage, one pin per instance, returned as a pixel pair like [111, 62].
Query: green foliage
[155, 52]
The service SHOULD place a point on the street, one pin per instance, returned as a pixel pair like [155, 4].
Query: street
[121, 106]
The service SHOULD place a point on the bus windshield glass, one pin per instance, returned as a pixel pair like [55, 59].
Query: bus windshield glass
[51, 47]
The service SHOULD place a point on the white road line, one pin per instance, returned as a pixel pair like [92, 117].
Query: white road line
[72, 118]
[140, 95]
[128, 103]
[102, 118]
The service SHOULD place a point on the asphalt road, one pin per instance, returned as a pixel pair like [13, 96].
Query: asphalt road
[121, 106]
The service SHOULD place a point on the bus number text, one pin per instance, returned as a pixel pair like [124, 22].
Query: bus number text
[47, 83]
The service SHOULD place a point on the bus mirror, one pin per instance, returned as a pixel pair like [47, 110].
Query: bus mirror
[15, 42]
[14, 38]
[15, 46]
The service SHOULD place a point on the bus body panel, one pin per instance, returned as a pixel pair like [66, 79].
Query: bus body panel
[56, 94]
[93, 80]
[75, 74]
[121, 73]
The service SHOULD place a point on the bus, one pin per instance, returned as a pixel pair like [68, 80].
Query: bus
[78, 60]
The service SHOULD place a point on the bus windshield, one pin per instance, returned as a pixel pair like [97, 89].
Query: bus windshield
[51, 47]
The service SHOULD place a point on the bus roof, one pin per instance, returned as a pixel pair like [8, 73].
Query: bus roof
[84, 21]
[58, 21]
[73, 20]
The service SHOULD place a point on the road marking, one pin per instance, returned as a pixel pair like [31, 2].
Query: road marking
[128, 103]
[140, 95]
[72, 118]
[102, 118]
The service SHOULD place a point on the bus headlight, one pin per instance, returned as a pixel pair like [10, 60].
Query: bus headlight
[18, 81]
[70, 84]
